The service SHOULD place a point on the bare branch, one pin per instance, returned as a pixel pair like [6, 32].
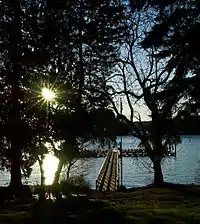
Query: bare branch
[127, 92]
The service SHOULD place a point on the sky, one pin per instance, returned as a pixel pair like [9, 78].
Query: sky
[141, 109]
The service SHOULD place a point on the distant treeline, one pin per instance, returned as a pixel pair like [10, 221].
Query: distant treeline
[180, 125]
[187, 124]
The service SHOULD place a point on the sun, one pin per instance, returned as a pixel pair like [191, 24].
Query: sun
[48, 94]
[50, 165]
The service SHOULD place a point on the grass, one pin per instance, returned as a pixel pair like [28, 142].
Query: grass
[169, 204]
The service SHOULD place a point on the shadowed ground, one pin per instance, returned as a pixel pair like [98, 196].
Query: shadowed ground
[169, 204]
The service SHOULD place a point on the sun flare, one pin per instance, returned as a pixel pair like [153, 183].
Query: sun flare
[48, 94]
[50, 165]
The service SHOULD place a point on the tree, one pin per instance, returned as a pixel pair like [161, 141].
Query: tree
[67, 156]
[44, 42]
[141, 78]
[22, 51]
[175, 36]
[94, 51]
[11, 73]
[96, 126]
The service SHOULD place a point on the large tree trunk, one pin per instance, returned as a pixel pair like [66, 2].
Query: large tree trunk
[69, 169]
[57, 173]
[157, 144]
[42, 178]
[158, 175]
[41, 172]
[16, 137]
[16, 176]
[56, 188]
[42, 190]
[16, 140]
[68, 172]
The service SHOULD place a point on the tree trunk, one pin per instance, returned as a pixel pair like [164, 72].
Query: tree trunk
[41, 172]
[158, 175]
[157, 144]
[68, 169]
[42, 178]
[42, 189]
[16, 137]
[57, 173]
[16, 176]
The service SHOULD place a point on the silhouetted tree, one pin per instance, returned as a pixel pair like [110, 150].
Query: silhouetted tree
[95, 126]
[175, 36]
[59, 44]
[46, 41]
[142, 78]
[24, 50]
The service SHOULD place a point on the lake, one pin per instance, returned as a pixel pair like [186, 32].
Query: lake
[183, 169]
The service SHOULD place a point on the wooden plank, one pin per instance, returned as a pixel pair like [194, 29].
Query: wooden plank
[103, 171]
[107, 179]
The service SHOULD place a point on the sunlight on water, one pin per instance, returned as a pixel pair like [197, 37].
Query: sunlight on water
[50, 166]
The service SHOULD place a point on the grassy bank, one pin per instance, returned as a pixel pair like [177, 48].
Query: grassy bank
[169, 204]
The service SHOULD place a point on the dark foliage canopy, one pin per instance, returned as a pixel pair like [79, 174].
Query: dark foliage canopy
[175, 35]
[65, 45]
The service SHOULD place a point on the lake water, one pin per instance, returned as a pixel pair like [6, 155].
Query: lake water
[184, 169]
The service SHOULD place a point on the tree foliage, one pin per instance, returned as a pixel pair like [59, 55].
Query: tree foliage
[175, 36]
[61, 45]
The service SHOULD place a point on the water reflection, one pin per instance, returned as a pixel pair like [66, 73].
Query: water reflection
[50, 165]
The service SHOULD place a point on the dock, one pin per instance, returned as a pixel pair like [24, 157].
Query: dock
[108, 177]
[138, 152]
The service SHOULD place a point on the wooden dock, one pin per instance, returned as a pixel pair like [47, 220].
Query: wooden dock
[108, 177]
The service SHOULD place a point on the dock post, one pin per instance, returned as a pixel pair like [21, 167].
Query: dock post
[121, 109]
[175, 149]
[121, 162]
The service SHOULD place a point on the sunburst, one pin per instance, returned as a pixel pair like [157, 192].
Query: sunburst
[45, 94]
[48, 94]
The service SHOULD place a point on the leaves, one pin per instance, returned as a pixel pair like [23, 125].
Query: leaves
[40, 47]
[177, 32]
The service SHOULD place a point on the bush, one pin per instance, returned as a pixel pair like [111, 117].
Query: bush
[74, 185]
[7, 194]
